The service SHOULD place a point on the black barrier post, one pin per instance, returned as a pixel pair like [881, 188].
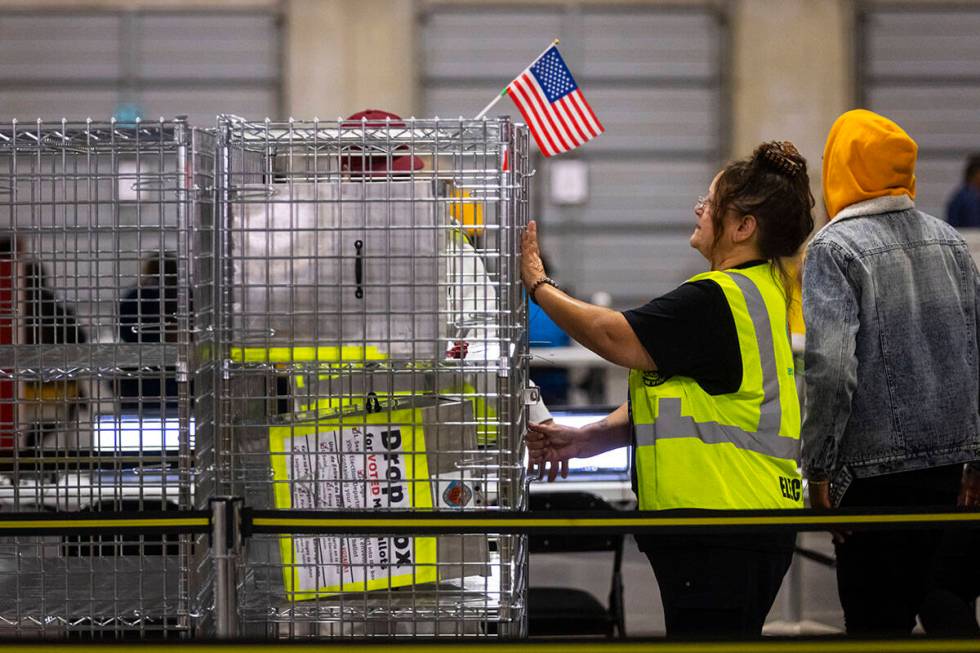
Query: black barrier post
[226, 548]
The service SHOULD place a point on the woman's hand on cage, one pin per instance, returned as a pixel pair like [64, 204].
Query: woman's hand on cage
[550, 446]
[532, 268]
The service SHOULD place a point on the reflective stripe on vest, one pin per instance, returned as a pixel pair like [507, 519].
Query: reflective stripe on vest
[670, 421]
[766, 440]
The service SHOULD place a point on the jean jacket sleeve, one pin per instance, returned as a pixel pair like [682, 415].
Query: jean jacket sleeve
[830, 312]
[976, 309]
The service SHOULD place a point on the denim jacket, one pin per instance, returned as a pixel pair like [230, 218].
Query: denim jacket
[890, 299]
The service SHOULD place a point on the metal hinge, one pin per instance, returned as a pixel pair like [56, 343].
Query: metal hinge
[532, 395]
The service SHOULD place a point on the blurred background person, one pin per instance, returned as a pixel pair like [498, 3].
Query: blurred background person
[148, 314]
[49, 320]
[48, 405]
[963, 208]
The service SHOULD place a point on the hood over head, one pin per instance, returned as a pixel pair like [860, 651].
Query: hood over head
[866, 156]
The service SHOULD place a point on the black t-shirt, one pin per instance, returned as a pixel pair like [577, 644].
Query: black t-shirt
[690, 332]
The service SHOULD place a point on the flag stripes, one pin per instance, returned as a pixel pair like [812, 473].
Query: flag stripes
[553, 106]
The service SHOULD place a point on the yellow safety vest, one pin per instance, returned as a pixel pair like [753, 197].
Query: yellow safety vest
[733, 451]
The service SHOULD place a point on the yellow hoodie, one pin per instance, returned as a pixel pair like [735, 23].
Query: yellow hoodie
[866, 156]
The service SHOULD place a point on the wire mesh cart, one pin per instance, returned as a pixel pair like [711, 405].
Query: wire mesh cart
[373, 357]
[106, 367]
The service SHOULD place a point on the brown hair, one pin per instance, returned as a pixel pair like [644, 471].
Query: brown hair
[158, 263]
[972, 168]
[773, 186]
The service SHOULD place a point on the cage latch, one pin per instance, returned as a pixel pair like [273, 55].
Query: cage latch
[371, 403]
[359, 268]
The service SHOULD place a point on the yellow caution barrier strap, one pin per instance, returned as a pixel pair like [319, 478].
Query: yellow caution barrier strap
[765, 645]
[428, 522]
[106, 523]
[281, 522]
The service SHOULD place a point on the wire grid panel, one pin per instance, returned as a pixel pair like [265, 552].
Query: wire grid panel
[374, 358]
[105, 282]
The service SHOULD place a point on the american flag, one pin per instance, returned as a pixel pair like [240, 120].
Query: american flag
[553, 106]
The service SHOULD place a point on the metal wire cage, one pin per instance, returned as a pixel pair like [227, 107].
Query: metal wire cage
[373, 345]
[106, 352]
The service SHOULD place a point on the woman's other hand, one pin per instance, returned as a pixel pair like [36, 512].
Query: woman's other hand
[551, 446]
[532, 268]
[820, 500]
[969, 496]
[820, 495]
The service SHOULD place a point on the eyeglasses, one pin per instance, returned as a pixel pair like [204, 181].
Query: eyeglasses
[700, 203]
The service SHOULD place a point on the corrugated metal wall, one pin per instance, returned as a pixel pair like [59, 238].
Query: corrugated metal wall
[655, 77]
[919, 64]
[88, 64]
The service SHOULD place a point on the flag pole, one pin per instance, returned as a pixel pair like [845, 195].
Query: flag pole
[492, 102]
[504, 91]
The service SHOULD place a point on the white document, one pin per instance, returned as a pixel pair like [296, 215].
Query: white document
[359, 468]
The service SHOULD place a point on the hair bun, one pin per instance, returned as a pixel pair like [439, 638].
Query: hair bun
[782, 157]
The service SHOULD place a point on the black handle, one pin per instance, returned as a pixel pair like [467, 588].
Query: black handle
[359, 268]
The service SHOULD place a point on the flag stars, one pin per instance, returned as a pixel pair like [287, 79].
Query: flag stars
[553, 76]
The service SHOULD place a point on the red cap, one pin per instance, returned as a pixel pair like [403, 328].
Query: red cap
[373, 118]
[377, 163]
